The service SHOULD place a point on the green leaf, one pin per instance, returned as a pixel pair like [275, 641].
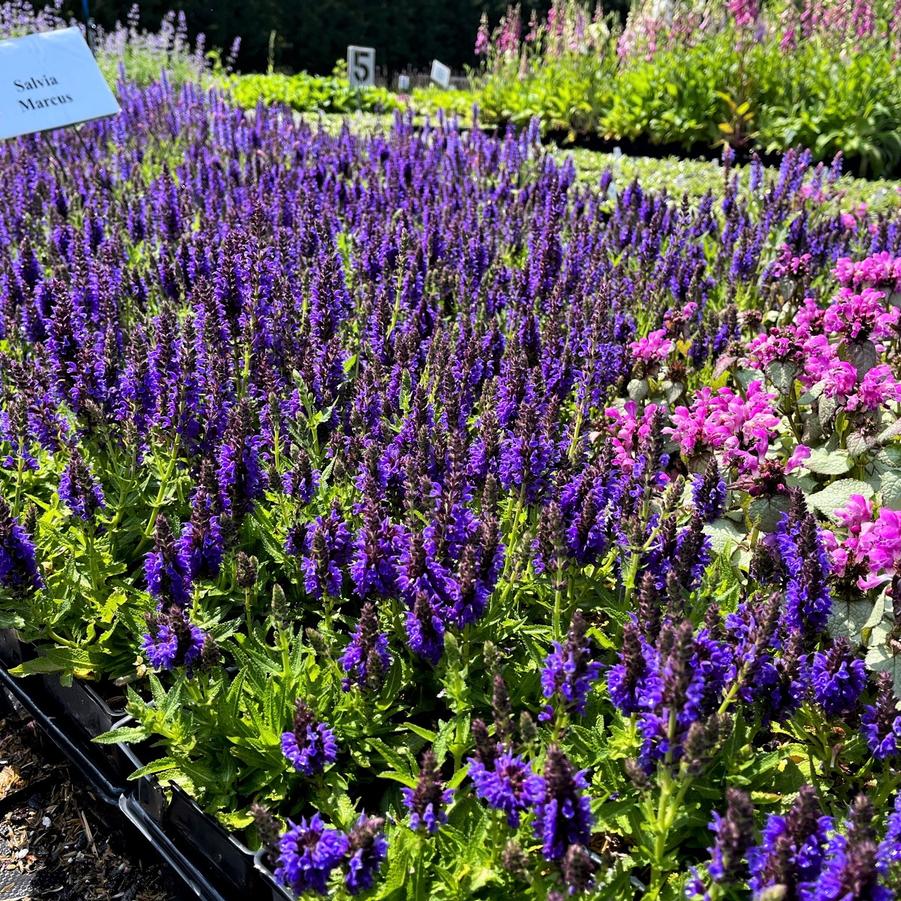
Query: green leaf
[782, 375]
[890, 488]
[828, 463]
[125, 734]
[162, 765]
[723, 535]
[849, 618]
[836, 496]
[767, 512]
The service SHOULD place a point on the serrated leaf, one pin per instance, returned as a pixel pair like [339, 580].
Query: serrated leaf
[766, 512]
[162, 765]
[782, 375]
[723, 535]
[837, 495]
[125, 734]
[849, 618]
[862, 355]
[828, 463]
[890, 488]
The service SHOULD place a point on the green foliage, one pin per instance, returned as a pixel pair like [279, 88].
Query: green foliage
[303, 92]
[819, 96]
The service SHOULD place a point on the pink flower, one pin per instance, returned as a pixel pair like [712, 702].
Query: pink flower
[881, 270]
[877, 387]
[799, 455]
[630, 430]
[880, 545]
[857, 511]
[860, 315]
[655, 347]
[820, 358]
[840, 380]
[740, 427]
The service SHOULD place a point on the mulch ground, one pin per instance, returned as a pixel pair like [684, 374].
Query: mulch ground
[57, 841]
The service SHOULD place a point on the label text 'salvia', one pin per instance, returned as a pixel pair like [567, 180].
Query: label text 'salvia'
[36, 83]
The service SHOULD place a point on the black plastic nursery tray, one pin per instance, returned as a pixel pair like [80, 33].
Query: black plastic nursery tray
[210, 862]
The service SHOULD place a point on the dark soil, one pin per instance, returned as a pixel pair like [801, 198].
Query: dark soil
[56, 840]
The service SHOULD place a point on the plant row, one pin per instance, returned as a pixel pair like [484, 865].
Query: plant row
[456, 529]
[822, 74]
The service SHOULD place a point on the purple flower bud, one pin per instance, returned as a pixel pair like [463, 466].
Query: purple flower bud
[366, 659]
[18, 565]
[563, 815]
[427, 801]
[881, 722]
[733, 836]
[168, 578]
[78, 488]
[173, 641]
[838, 678]
[310, 746]
[569, 670]
[367, 850]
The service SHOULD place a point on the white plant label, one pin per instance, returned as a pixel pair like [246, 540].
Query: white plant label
[50, 80]
[361, 66]
[440, 74]
[403, 83]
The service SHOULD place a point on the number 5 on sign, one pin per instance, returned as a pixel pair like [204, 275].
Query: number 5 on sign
[361, 66]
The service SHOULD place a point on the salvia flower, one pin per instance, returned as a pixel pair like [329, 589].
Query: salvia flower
[803, 556]
[425, 629]
[310, 746]
[792, 849]
[240, 472]
[577, 869]
[79, 490]
[851, 868]
[168, 576]
[426, 803]
[569, 670]
[507, 784]
[18, 565]
[881, 721]
[837, 678]
[709, 493]
[890, 846]
[625, 679]
[201, 544]
[308, 853]
[326, 551]
[367, 850]
[733, 833]
[563, 815]
[172, 640]
[366, 659]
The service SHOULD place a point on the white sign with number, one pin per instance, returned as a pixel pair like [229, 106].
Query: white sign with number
[361, 66]
[440, 74]
[49, 80]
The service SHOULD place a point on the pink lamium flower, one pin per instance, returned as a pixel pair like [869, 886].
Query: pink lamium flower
[630, 430]
[654, 348]
[880, 545]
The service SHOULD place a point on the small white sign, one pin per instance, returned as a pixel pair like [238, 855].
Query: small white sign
[440, 74]
[403, 83]
[361, 66]
[50, 80]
